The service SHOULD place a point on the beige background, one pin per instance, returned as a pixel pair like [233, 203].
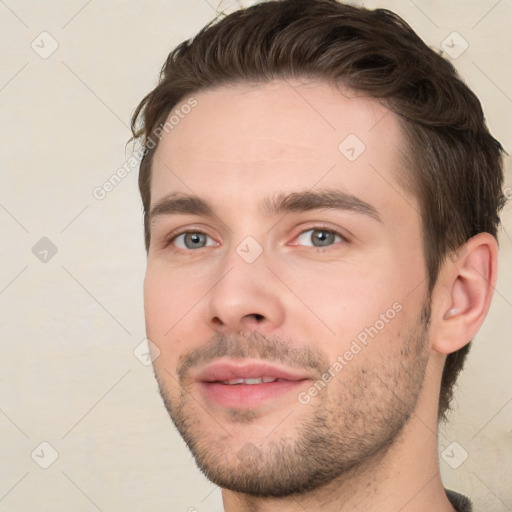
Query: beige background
[70, 324]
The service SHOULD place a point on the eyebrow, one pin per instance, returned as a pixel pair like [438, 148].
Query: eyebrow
[177, 203]
[317, 200]
[174, 203]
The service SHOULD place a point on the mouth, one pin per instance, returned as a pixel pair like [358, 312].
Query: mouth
[247, 385]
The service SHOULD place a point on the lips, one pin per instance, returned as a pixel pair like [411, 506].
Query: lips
[247, 385]
[257, 380]
[224, 371]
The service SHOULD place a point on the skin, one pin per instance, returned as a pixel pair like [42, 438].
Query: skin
[377, 417]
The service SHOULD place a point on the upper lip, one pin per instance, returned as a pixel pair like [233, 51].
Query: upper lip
[227, 370]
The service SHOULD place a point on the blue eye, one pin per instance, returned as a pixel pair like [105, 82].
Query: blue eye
[319, 237]
[192, 240]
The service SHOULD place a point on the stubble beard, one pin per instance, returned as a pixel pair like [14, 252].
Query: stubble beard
[350, 424]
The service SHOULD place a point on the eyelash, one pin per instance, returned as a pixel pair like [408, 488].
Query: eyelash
[169, 240]
[327, 230]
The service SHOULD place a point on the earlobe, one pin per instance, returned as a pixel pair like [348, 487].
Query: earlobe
[467, 286]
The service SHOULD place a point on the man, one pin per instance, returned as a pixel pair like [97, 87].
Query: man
[321, 200]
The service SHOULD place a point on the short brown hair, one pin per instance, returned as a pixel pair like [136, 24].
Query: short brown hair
[456, 167]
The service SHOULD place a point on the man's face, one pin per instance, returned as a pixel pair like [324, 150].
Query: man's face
[293, 340]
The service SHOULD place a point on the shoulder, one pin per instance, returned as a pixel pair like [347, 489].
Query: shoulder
[460, 502]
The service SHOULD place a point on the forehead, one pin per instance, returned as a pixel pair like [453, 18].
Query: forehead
[242, 141]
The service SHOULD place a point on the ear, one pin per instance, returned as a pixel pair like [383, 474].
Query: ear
[463, 293]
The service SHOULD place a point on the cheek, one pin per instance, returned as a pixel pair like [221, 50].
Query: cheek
[347, 300]
[158, 305]
[162, 312]
[168, 297]
[172, 303]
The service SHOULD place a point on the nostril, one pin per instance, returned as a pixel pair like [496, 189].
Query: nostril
[258, 317]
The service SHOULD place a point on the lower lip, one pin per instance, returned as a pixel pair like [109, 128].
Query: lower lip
[247, 396]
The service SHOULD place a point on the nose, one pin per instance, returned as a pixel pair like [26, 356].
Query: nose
[247, 297]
